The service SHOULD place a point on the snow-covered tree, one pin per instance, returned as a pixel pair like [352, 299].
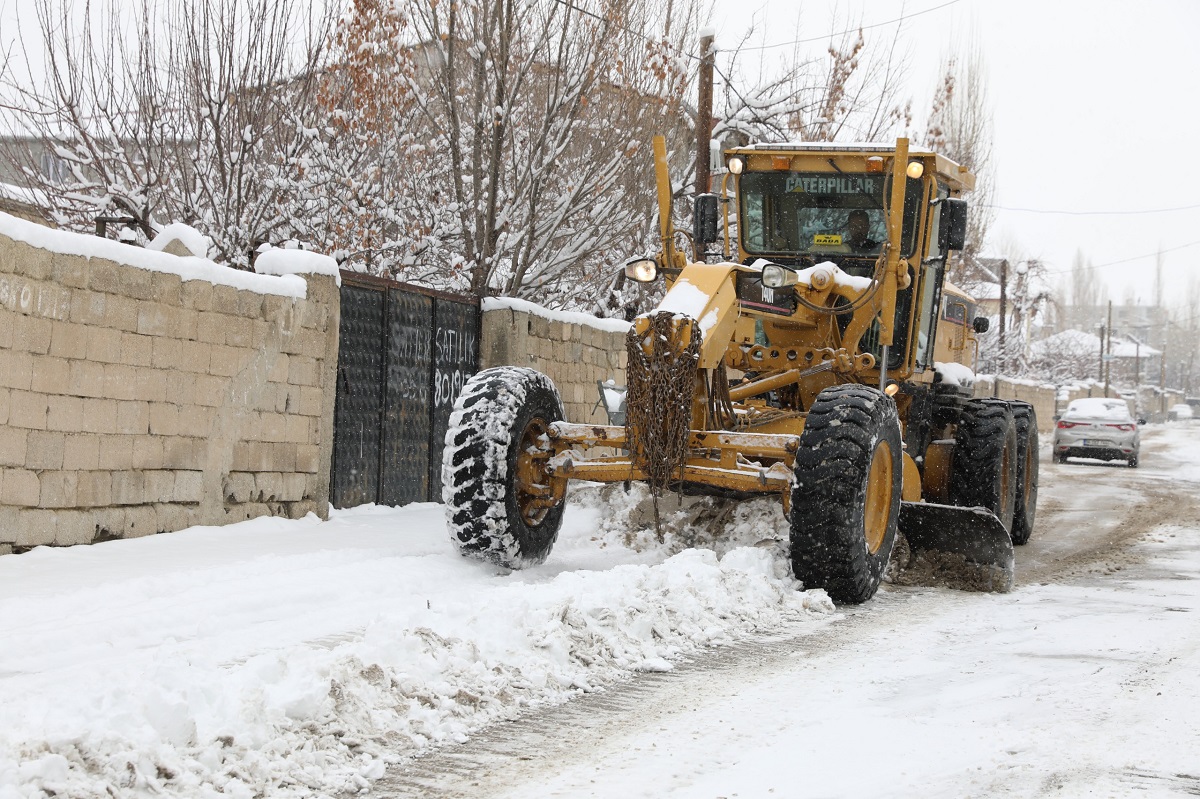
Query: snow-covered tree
[199, 113]
[1068, 356]
[960, 127]
[539, 116]
[366, 195]
[852, 93]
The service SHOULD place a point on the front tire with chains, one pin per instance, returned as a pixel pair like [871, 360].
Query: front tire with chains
[499, 504]
[846, 497]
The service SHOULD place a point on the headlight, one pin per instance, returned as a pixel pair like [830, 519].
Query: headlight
[775, 276]
[643, 270]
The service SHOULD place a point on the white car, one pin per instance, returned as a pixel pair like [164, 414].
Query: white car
[1097, 427]
[1180, 412]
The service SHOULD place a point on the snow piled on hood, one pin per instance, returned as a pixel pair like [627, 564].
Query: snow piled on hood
[299, 658]
[955, 374]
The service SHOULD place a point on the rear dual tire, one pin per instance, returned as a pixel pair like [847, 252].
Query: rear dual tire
[984, 471]
[1025, 422]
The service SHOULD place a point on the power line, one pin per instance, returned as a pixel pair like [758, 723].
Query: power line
[732, 88]
[851, 30]
[1125, 260]
[1095, 213]
[694, 57]
[618, 25]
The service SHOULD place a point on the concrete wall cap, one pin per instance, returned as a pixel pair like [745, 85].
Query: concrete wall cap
[193, 241]
[279, 261]
[569, 317]
[68, 243]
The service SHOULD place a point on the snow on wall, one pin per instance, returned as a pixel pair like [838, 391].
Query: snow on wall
[1042, 397]
[142, 392]
[64, 242]
[575, 350]
[568, 317]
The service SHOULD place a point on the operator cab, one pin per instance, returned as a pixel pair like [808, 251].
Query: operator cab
[803, 217]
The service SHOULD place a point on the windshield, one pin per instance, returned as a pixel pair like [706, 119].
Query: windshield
[812, 212]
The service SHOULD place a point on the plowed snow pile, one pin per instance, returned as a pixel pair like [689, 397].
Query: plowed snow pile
[296, 658]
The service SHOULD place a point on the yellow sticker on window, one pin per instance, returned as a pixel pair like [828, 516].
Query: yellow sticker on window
[827, 239]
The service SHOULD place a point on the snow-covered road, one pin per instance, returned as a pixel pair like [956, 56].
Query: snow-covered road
[277, 658]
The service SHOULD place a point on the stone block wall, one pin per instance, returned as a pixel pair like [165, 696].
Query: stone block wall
[142, 393]
[1041, 397]
[573, 349]
[1149, 403]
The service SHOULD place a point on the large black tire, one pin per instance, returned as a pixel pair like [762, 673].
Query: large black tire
[501, 415]
[846, 498]
[984, 471]
[1025, 419]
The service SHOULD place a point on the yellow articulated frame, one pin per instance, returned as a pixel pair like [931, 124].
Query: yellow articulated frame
[727, 460]
[938, 458]
[910, 490]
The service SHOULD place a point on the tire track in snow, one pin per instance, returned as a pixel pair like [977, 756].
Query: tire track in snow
[555, 739]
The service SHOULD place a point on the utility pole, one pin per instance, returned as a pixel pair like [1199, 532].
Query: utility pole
[1137, 370]
[1108, 349]
[1003, 314]
[1162, 380]
[1100, 374]
[704, 121]
[1187, 390]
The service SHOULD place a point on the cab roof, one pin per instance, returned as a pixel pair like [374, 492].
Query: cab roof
[956, 176]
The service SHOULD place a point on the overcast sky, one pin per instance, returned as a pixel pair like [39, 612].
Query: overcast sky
[1096, 107]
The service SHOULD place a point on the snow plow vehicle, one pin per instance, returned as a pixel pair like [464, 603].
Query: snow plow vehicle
[815, 357]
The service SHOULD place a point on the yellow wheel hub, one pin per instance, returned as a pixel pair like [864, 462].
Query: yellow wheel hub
[534, 489]
[880, 479]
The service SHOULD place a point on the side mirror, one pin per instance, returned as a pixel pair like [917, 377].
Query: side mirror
[1141, 421]
[704, 220]
[952, 227]
[981, 324]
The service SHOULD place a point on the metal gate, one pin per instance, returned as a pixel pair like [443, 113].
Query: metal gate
[404, 354]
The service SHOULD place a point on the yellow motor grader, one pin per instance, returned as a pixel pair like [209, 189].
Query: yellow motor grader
[818, 355]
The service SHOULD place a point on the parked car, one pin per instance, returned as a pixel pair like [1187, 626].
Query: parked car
[1097, 427]
[1179, 412]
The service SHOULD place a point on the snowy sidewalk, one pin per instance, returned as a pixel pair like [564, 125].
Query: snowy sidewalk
[283, 658]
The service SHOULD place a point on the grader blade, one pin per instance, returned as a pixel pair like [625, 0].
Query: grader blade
[964, 548]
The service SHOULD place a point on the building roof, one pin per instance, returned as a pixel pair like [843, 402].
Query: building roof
[1081, 341]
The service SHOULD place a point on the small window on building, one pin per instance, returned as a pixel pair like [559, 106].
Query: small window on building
[54, 169]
